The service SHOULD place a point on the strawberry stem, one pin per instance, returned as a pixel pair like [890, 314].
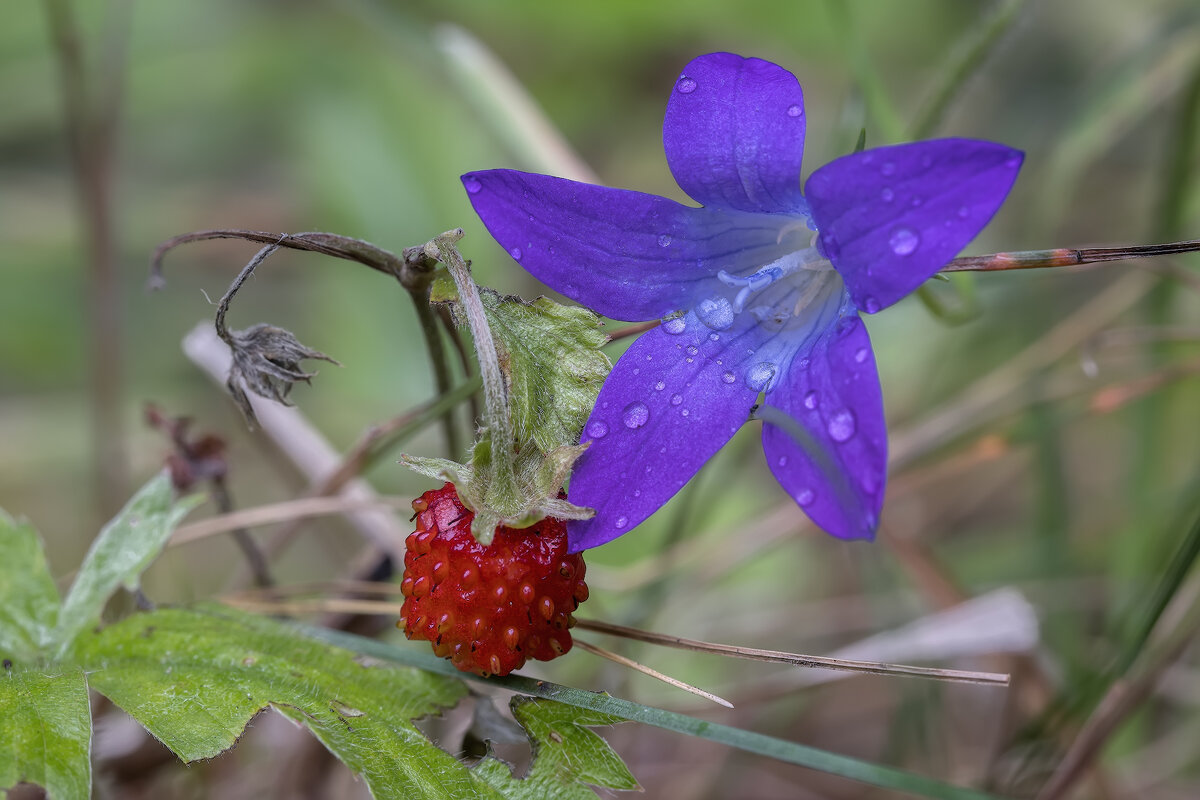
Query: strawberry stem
[498, 419]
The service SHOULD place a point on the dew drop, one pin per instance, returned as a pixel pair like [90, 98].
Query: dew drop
[692, 350]
[472, 185]
[515, 253]
[782, 462]
[658, 387]
[870, 305]
[861, 355]
[674, 326]
[635, 415]
[715, 312]
[916, 201]
[713, 337]
[842, 425]
[926, 161]
[963, 212]
[621, 522]
[810, 400]
[887, 195]
[686, 85]
[806, 497]
[664, 240]
[868, 482]
[802, 363]
[676, 399]
[685, 412]
[794, 110]
[760, 376]
[904, 242]
[888, 168]
[729, 377]
[597, 429]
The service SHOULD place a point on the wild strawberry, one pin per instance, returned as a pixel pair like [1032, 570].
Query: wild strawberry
[489, 608]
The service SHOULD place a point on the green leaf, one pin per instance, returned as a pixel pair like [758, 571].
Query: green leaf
[46, 728]
[28, 599]
[122, 551]
[566, 755]
[552, 364]
[767, 746]
[195, 678]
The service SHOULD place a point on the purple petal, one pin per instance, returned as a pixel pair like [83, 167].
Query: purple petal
[834, 465]
[893, 216]
[734, 134]
[628, 255]
[672, 401]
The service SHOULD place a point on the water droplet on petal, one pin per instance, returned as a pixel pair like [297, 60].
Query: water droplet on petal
[782, 461]
[806, 497]
[810, 400]
[888, 168]
[472, 185]
[760, 376]
[676, 399]
[870, 305]
[802, 363]
[692, 350]
[868, 482]
[686, 85]
[964, 212]
[675, 325]
[713, 337]
[597, 429]
[515, 253]
[926, 161]
[861, 355]
[904, 241]
[794, 110]
[729, 377]
[621, 522]
[664, 240]
[685, 412]
[842, 425]
[635, 415]
[715, 312]
[829, 246]
[658, 387]
[887, 195]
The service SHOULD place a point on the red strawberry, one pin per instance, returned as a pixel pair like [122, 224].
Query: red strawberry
[490, 608]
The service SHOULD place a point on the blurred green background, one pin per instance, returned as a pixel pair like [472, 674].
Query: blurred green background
[1048, 443]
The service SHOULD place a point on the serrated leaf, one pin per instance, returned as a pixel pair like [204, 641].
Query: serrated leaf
[46, 730]
[567, 756]
[552, 364]
[28, 599]
[195, 678]
[119, 555]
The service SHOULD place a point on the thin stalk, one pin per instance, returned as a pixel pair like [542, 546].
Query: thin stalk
[499, 421]
[1066, 257]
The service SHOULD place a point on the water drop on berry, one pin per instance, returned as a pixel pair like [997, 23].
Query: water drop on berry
[635, 415]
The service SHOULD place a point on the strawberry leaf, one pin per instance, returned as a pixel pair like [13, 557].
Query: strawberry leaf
[46, 727]
[567, 756]
[195, 678]
[28, 599]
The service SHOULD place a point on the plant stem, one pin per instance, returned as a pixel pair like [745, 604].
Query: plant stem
[495, 395]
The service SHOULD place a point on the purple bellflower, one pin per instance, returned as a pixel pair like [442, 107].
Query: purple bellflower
[760, 290]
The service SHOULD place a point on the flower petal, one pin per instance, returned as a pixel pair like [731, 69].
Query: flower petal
[734, 134]
[893, 216]
[834, 463]
[673, 399]
[627, 255]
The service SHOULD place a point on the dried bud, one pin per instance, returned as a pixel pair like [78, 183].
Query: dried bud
[267, 360]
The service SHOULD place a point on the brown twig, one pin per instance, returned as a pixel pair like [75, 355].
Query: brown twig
[616, 658]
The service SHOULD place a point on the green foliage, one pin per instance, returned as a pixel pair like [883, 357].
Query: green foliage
[194, 678]
[551, 362]
[566, 754]
[28, 599]
[122, 551]
[46, 725]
